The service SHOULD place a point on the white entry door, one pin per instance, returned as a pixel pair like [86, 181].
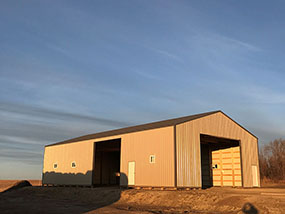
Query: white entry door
[254, 176]
[131, 173]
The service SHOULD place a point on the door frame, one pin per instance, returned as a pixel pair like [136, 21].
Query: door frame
[254, 173]
[134, 173]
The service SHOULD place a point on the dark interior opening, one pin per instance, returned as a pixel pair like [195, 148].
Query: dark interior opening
[107, 163]
[209, 144]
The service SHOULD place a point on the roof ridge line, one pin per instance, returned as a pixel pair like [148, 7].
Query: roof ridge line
[141, 127]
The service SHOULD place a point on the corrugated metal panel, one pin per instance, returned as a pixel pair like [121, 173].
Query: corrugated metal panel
[63, 155]
[139, 146]
[188, 147]
[188, 157]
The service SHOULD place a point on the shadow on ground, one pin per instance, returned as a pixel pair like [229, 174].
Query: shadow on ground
[23, 198]
[118, 201]
[57, 199]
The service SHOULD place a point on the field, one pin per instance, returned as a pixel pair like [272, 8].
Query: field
[37, 199]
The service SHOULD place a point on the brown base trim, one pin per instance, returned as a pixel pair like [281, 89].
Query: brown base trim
[162, 188]
[66, 185]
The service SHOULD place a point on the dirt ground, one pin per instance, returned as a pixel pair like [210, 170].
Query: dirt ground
[37, 199]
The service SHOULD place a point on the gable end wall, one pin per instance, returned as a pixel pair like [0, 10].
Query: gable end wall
[188, 147]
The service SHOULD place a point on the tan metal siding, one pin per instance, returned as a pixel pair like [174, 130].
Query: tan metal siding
[64, 155]
[188, 156]
[139, 146]
[188, 147]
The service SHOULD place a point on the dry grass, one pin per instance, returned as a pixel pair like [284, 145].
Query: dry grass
[272, 184]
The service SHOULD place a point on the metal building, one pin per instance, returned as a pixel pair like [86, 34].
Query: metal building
[202, 150]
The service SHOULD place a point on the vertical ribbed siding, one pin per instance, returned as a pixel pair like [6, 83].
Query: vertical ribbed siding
[136, 146]
[188, 156]
[63, 155]
[188, 147]
[139, 146]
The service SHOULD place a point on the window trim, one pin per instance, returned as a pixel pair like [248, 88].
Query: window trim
[73, 162]
[152, 159]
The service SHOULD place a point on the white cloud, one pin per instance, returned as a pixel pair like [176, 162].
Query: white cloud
[237, 43]
[146, 75]
[221, 43]
[264, 95]
[167, 54]
[59, 49]
[21, 140]
[164, 53]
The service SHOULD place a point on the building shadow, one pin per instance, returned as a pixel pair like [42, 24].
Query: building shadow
[98, 195]
[57, 178]
[249, 208]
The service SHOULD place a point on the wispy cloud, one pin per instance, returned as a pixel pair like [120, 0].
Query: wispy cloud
[39, 112]
[222, 42]
[263, 95]
[26, 156]
[146, 75]
[58, 48]
[235, 43]
[221, 54]
[167, 54]
[164, 53]
[70, 70]
[24, 129]
[20, 140]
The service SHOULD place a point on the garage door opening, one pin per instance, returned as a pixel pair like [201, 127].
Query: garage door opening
[220, 162]
[106, 170]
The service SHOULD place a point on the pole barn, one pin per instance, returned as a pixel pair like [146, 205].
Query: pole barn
[202, 150]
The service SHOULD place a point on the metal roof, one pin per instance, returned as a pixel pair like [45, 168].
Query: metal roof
[154, 125]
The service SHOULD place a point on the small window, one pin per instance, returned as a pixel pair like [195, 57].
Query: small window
[73, 164]
[55, 165]
[152, 159]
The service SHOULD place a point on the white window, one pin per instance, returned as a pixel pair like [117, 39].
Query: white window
[152, 158]
[73, 164]
[55, 165]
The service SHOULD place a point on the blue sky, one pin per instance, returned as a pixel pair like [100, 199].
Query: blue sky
[69, 68]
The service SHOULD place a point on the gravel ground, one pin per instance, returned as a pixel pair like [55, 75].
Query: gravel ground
[38, 199]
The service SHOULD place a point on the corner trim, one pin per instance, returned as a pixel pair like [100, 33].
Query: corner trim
[175, 158]
[241, 164]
